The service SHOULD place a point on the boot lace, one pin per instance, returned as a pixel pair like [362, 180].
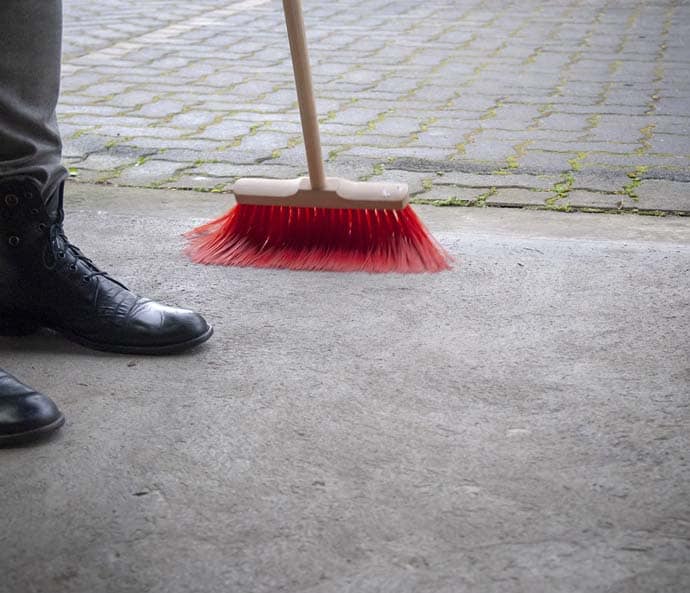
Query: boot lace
[59, 246]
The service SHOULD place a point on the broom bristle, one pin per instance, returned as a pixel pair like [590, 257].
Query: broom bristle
[299, 238]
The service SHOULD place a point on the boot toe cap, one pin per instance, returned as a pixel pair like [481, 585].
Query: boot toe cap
[160, 327]
[24, 417]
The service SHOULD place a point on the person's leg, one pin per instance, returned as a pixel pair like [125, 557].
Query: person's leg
[30, 47]
[45, 281]
[29, 145]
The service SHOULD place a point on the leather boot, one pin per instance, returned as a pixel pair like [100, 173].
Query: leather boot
[25, 414]
[45, 281]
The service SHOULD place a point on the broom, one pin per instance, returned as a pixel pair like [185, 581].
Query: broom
[319, 222]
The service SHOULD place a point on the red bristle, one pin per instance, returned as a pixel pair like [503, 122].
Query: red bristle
[299, 238]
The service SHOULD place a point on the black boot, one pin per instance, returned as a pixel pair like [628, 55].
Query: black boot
[25, 414]
[45, 281]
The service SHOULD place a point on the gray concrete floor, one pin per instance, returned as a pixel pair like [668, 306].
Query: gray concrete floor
[517, 424]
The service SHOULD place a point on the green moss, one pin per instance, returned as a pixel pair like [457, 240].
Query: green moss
[294, 141]
[80, 133]
[371, 124]
[645, 139]
[482, 198]
[448, 202]
[659, 213]
[576, 163]
[635, 180]
[512, 161]
[561, 190]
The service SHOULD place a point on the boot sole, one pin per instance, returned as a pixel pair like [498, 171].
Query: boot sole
[23, 438]
[152, 350]
[17, 327]
[27, 327]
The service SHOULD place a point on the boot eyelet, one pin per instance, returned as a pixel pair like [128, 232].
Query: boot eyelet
[13, 241]
[73, 267]
[34, 212]
[11, 200]
[42, 227]
[61, 254]
[85, 279]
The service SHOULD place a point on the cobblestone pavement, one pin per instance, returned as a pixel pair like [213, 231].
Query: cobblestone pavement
[575, 104]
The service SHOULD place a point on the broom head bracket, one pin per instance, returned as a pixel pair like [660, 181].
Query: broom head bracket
[336, 193]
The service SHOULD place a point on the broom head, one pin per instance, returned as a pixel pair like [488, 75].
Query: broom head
[346, 226]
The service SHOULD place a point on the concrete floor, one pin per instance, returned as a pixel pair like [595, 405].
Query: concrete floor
[517, 424]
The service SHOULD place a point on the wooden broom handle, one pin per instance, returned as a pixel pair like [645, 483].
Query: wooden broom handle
[305, 91]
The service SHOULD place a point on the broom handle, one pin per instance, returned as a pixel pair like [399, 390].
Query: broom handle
[305, 91]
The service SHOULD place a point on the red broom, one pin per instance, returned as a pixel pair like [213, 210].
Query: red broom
[317, 223]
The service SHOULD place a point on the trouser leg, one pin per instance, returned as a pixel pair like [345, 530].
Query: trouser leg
[30, 48]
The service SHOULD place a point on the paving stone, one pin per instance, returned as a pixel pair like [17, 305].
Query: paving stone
[632, 160]
[657, 194]
[496, 152]
[132, 99]
[397, 126]
[559, 146]
[223, 79]
[102, 110]
[464, 196]
[265, 142]
[83, 144]
[564, 121]
[670, 144]
[106, 162]
[149, 172]
[415, 180]
[234, 171]
[603, 181]
[361, 76]
[470, 102]
[589, 199]
[105, 89]
[672, 125]
[86, 120]
[372, 139]
[438, 137]
[553, 78]
[511, 197]
[160, 109]
[113, 131]
[547, 162]
[533, 135]
[226, 130]
[79, 79]
[195, 144]
[357, 116]
[397, 85]
[75, 99]
[509, 180]
[383, 153]
[191, 119]
[616, 134]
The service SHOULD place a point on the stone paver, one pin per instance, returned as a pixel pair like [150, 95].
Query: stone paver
[596, 92]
